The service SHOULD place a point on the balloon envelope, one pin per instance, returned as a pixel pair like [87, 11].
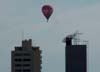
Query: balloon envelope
[47, 11]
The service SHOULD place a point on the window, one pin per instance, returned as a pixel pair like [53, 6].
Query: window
[18, 70]
[26, 65]
[27, 70]
[26, 60]
[18, 65]
[18, 54]
[18, 60]
[25, 54]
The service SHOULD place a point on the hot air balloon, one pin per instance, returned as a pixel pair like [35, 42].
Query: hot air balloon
[47, 11]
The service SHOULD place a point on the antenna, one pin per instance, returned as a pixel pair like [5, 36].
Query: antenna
[22, 34]
[76, 38]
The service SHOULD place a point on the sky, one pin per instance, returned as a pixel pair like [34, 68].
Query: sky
[23, 19]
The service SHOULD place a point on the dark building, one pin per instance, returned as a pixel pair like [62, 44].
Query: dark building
[75, 56]
[26, 58]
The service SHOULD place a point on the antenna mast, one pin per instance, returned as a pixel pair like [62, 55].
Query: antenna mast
[76, 38]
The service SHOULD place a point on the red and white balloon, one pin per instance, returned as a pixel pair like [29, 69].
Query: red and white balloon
[47, 11]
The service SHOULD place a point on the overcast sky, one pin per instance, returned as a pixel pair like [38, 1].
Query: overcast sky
[23, 19]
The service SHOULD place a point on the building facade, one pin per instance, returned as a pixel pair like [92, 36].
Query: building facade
[75, 57]
[26, 58]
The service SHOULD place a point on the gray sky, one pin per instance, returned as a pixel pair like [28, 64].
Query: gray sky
[18, 16]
